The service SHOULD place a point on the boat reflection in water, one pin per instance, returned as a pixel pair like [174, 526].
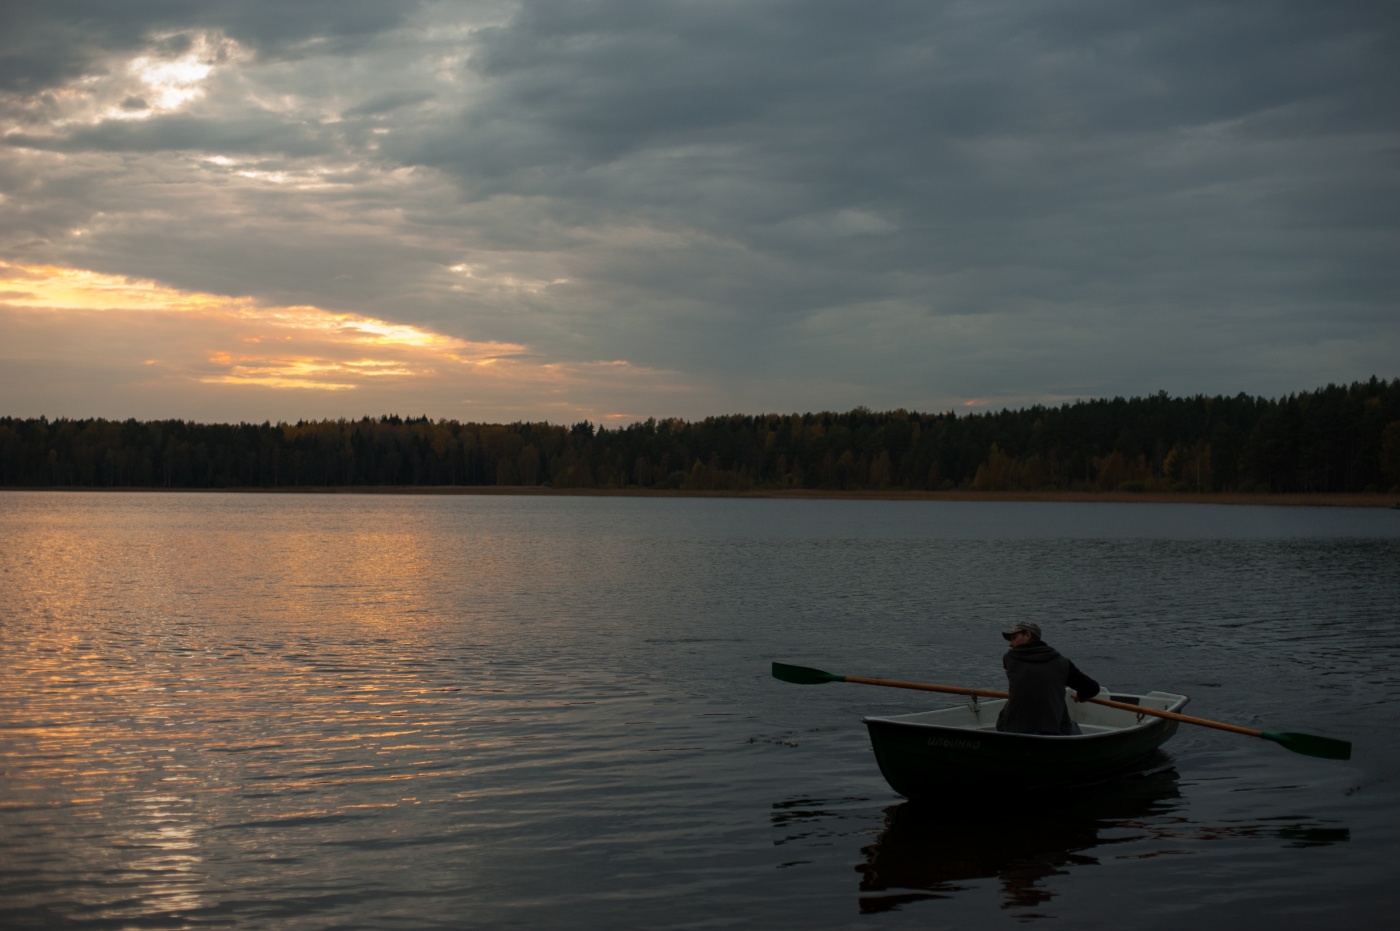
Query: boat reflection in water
[924, 847]
[926, 852]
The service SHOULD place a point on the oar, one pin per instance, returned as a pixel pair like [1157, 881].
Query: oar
[1306, 744]
[803, 675]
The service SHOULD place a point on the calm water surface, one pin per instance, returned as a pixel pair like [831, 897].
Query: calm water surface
[316, 712]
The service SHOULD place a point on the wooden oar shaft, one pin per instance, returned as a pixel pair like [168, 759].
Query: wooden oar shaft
[1173, 716]
[990, 693]
[925, 687]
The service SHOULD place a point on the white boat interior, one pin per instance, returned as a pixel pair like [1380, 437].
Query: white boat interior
[981, 714]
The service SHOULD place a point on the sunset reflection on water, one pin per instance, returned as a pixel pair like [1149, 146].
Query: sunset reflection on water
[181, 689]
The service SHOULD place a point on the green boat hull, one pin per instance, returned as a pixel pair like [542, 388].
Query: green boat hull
[925, 761]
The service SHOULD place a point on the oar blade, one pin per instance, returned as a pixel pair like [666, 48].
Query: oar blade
[804, 675]
[1312, 745]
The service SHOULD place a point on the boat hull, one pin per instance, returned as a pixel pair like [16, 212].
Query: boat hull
[923, 757]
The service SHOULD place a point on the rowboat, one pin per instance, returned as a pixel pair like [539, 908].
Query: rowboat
[924, 755]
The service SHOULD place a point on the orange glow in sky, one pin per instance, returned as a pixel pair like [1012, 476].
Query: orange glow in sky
[165, 338]
[279, 347]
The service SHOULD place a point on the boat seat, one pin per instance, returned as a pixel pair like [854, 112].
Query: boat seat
[1083, 728]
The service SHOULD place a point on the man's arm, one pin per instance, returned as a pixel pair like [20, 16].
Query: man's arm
[1084, 687]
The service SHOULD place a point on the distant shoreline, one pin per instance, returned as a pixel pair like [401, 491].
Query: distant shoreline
[1319, 499]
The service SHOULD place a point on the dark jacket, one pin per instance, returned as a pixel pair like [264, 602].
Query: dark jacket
[1036, 677]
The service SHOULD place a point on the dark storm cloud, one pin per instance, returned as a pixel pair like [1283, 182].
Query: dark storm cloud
[598, 80]
[387, 103]
[1150, 158]
[44, 44]
[255, 134]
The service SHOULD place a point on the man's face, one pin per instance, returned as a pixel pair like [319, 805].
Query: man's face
[1020, 637]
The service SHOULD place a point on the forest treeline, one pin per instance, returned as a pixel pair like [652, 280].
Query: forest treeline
[1334, 439]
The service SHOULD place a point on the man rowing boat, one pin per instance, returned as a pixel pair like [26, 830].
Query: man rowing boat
[1036, 676]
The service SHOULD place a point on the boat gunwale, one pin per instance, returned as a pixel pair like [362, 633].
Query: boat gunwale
[1146, 721]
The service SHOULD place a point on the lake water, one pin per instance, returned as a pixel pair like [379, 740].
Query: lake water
[305, 712]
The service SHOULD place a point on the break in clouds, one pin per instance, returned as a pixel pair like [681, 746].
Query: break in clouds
[640, 209]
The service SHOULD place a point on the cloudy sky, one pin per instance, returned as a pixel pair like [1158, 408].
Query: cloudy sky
[616, 209]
